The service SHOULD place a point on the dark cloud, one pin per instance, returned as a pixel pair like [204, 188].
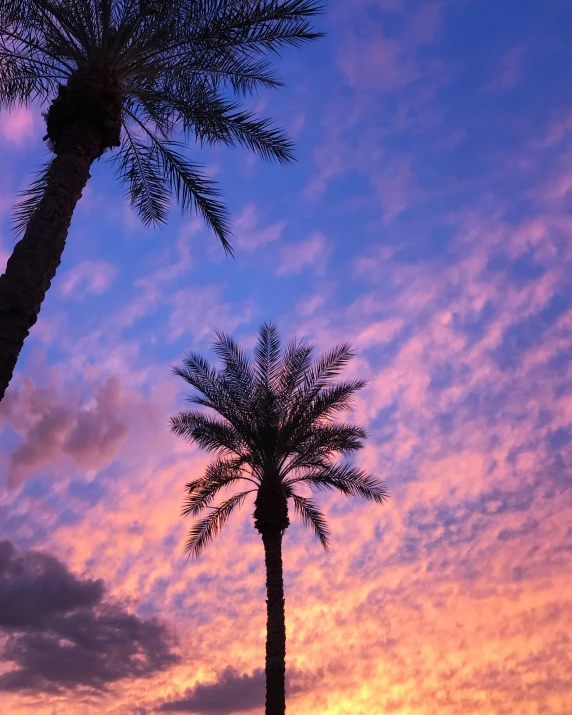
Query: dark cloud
[35, 586]
[234, 693]
[53, 427]
[62, 633]
[230, 693]
[98, 431]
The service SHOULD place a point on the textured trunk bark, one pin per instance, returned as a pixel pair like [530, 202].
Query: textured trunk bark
[33, 264]
[275, 625]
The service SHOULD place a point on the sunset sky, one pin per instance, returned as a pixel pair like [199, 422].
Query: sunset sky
[428, 221]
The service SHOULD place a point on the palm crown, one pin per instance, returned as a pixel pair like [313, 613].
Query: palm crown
[151, 73]
[273, 433]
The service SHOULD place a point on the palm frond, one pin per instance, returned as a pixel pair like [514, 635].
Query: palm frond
[198, 373]
[213, 393]
[295, 363]
[222, 123]
[330, 400]
[177, 62]
[267, 353]
[191, 77]
[312, 517]
[183, 178]
[346, 479]
[308, 411]
[138, 169]
[327, 367]
[238, 373]
[193, 189]
[205, 530]
[263, 25]
[331, 438]
[211, 434]
[201, 492]
[25, 78]
[320, 444]
[31, 198]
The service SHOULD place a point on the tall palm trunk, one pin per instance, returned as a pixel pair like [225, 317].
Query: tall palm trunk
[275, 625]
[33, 264]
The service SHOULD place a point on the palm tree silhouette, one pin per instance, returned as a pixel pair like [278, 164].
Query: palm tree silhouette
[273, 433]
[143, 78]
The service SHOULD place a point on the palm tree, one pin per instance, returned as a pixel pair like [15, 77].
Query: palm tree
[140, 78]
[272, 436]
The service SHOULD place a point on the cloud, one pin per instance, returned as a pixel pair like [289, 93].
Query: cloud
[373, 59]
[312, 252]
[54, 427]
[230, 693]
[233, 692]
[396, 187]
[18, 126]
[198, 309]
[87, 277]
[249, 234]
[378, 63]
[34, 586]
[452, 598]
[62, 634]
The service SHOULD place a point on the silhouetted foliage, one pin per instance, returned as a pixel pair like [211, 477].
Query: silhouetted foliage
[272, 435]
[143, 78]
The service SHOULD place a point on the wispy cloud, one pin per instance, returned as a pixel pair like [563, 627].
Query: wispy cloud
[19, 127]
[313, 252]
[87, 277]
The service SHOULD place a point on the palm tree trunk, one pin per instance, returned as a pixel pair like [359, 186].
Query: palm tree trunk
[33, 264]
[275, 625]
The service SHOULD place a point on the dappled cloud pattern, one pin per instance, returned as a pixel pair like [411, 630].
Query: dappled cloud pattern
[429, 225]
[63, 633]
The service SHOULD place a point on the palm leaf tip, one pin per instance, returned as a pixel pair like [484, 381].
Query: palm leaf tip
[313, 518]
[205, 530]
[30, 201]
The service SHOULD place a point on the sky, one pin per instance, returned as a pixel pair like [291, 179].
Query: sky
[427, 221]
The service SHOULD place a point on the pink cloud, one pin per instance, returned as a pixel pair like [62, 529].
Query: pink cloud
[197, 310]
[18, 126]
[377, 63]
[332, 160]
[383, 62]
[559, 187]
[310, 304]
[87, 278]
[250, 235]
[312, 252]
[556, 132]
[53, 427]
[464, 560]
[396, 187]
[450, 598]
